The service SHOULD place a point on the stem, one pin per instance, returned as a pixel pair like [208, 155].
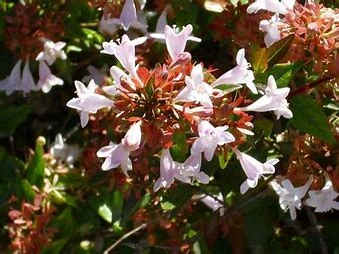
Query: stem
[309, 86]
[317, 229]
[125, 236]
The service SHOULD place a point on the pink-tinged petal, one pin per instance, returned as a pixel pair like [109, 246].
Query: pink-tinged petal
[74, 103]
[84, 117]
[269, 5]
[176, 42]
[244, 187]
[27, 82]
[162, 21]
[210, 150]
[202, 177]
[93, 102]
[126, 165]
[109, 47]
[81, 88]
[132, 139]
[128, 14]
[198, 146]
[293, 213]
[185, 95]
[106, 150]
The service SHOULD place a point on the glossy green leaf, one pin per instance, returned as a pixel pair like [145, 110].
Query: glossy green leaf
[309, 117]
[36, 167]
[11, 117]
[28, 190]
[259, 59]
[279, 49]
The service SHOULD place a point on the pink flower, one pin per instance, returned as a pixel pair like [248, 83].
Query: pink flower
[239, 74]
[88, 101]
[253, 169]
[52, 51]
[46, 79]
[13, 81]
[124, 51]
[209, 138]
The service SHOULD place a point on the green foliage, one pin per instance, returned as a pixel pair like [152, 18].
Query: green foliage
[35, 169]
[309, 117]
[11, 117]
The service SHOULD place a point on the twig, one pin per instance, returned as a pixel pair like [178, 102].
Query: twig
[314, 224]
[309, 86]
[125, 236]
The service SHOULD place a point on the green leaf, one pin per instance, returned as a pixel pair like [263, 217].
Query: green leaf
[309, 117]
[11, 117]
[180, 147]
[27, 190]
[259, 59]
[279, 49]
[54, 247]
[228, 88]
[117, 205]
[167, 206]
[282, 73]
[36, 167]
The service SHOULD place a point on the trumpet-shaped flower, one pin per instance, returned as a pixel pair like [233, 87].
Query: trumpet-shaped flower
[88, 101]
[27, 82]
[196, 89]
[209, 138]
[118, 154]
[51, 52]
[239, 74]
[212, 201]
[323, 200]
[13, 81]
[124, 51]
[128, 18]
[176, 40]
[271, 28]
[98, 75]
[46, 79]
[253, 169]
[64, 152]
[273, 100]
[191, 167]
[170, 170]
[289, 196]
[271, 5]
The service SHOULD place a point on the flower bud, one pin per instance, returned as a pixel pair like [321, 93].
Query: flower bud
[132, 139]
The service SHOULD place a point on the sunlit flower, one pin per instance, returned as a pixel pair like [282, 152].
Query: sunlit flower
[116, 156]
[51, 52]
[176, 40]
[289, 196]
[88, 101]
[46, 79]
[124, 51]
[253, 169]
[128, 18]
[196, 90]
[209, 138]
[239, 74]
[273, 100]
[169, 170]
[271, 5]
[271, 28]
[117, 74]
[191, 167]
[13, 81]
[323, 200]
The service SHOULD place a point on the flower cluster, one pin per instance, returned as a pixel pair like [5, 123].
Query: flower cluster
[178, 97]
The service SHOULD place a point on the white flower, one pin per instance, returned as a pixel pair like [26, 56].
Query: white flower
[128, 18]
[98, 75]
[46, 79]
[176, 41]
[271, 5]
[124, 52]
[13, 81]
[64, 152]
[273, 100]
[212, 201]
[196, 89]
[191, 168]
[209, 138]
[289, 196]
[132, 139]
[253, 169]
[52, 51]
[169, 170]
[88, 101]
[118, 155]
[271, 28]
[27, 82]
[323, 200]
[239, 74]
